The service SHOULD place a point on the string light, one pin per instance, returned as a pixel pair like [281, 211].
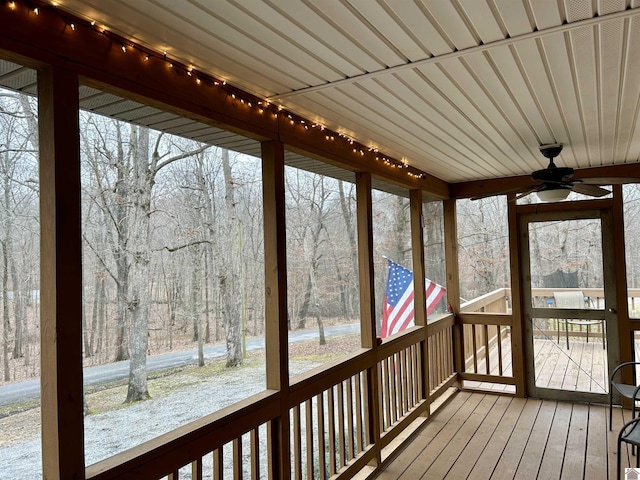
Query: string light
[244, 98]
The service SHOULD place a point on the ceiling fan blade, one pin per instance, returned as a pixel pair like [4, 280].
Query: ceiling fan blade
[608, 180]
[533, 188]
[591, 190]
[503, 192]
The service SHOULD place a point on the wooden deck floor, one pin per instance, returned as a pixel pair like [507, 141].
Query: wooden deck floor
[487, 436]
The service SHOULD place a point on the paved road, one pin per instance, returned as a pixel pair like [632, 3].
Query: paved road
[21, 391]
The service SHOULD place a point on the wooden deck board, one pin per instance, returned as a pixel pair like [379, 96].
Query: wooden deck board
[491, 455]
[510, 459]
[477, 444]
[483, 436]
[442, 439]
[532, 456]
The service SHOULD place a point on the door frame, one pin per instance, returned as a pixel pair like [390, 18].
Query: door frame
[572, 211]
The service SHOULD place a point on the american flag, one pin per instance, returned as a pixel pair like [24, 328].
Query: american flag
[398, 312]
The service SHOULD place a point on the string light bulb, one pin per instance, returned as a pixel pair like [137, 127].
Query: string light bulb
[12, 5]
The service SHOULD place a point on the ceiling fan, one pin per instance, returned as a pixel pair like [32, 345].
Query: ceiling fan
[555, 183]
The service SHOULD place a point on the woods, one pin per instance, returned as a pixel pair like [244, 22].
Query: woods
[173, 245]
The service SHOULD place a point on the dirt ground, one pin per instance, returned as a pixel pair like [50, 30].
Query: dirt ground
[178, 397]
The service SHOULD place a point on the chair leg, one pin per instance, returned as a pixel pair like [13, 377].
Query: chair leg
[619, 455]
[588, 328]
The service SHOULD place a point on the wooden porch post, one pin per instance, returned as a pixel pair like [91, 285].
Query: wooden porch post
[367, 302]
[453, 279]
[275, 276]
[624, 324]
[61, 276]
[419, 295]
[517, 327]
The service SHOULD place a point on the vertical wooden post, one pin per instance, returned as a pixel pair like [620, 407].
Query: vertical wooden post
[367, 302]
[61, 276]
[519, 367]
[453, 279]
[625, 338]
[419, 295]
[275, 276]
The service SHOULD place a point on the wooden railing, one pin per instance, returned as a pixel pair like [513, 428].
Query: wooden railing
[339, 417]
[486, 336]
[487, 323]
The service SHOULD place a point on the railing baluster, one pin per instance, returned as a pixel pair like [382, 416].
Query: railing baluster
[308, 417]
[365, 404]
[297, 444]
[350, 431]
[402, 380]
[359, 416]
[218, 464]
[499, 335]
[196, 469]
[387, 391]
[321, 441]
[475, 349]
[418, 365]
[394, 388]
[486, 349]
[331, 441]
[254, 439]
[237, 458]
[341, 429]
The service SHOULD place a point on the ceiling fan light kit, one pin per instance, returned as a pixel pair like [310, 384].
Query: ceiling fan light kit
[553, 194]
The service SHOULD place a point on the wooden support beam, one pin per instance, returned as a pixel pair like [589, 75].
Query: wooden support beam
[621, 304]
[494, 186]
[61, 276]
[453, 278]
[517, 328]
[367, 303]
[276, 329]
[419, 296]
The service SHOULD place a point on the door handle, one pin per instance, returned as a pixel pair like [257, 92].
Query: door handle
[611, 310]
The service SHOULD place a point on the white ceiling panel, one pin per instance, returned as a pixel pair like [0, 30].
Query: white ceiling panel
[462, 89]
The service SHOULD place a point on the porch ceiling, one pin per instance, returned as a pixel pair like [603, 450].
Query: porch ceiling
[462, 89]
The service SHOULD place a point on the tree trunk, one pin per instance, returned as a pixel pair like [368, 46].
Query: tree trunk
[347, 214]
[304, 308]
[102, 304]
[196, 302]
[229, 281]
[139, 295]
[5, 315]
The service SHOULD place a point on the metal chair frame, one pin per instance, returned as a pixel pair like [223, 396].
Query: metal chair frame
[629, 433]
[626, 390]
